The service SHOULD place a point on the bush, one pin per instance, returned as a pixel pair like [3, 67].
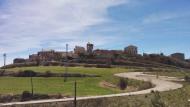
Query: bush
[40, 96]
[156, 101]
[26, 73]
[89, 65]
[145, 85]
[187, 78]
[123, 83]
[26, 95]
[6, 98]
[58, 96]
[103, 66]
[71, 65]
[48, 74]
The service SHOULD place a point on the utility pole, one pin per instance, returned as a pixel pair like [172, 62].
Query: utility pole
[66, 61]
[32, 88]
[4, 57]
[75, 97]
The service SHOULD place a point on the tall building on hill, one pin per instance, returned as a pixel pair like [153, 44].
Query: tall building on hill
[79, 50]
[89, 48]
[50, 55]
[131, 50]
[33, 57]
[179, 56]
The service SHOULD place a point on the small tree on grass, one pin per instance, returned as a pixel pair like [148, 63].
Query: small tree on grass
[123, 83]
[156, 101]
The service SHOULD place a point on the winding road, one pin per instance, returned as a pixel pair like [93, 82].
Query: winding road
[163, 83]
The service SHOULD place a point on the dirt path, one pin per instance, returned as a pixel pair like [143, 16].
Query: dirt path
[163, 83]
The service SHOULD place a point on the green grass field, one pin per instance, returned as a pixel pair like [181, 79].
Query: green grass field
[55, 85]
[173, 98]
[90, 86]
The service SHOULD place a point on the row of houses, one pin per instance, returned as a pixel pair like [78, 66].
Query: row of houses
[60, 56]
[45, 56]
[129, 50]
[52, 55]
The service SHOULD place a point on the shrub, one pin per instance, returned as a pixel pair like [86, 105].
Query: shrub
[187, 78]
[58, 96]
[26, 73]
[123, 83]
[40, 96]
[156, 101]
[48, 74]
[103, 66]
[71, 65]
[145, 85]
[26, 95]
[55, 63]
[5, 98]
[89, 65]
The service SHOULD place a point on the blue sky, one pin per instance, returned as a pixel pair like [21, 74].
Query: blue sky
[27, 26]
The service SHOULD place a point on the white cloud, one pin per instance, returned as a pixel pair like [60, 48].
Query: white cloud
[158, 17]
[31, 23]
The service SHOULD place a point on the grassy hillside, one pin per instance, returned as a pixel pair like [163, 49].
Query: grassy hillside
[173, 98]
[55, 85]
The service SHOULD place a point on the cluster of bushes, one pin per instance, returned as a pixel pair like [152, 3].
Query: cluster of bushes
[9, 98]
[103, 66]
[20, 65]
[98, 65]
[78, 75]
[51, 63]
[2, 72]
[89, 65]
[26, 73]
[26, 96]
[30, 73]
[124, 82]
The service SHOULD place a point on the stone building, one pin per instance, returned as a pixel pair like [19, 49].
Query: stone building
[33, 58]
[89, 48]
[131, 50]
[188, 60]
[79, 50]
[179, 56]
[47, 55]
[50, 55]
[19, 60]
[107, 53]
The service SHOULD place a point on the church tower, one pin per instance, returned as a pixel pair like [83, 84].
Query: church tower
[90, 48]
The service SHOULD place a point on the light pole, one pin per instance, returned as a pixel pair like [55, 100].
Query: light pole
[4, 57]
[66, 61]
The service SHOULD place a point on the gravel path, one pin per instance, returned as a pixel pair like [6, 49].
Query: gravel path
[163, 83]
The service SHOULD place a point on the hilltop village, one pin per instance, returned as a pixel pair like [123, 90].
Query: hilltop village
[128, 56]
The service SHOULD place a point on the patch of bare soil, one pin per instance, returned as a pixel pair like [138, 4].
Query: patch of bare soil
[106, 84]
